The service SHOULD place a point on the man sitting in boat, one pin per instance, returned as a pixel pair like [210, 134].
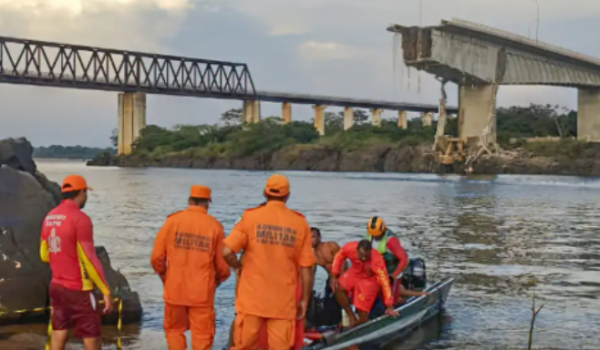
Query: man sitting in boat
[361, 282]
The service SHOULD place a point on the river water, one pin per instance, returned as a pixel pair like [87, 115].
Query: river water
[506, 239]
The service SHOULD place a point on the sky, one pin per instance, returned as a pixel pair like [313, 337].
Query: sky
[332, 47]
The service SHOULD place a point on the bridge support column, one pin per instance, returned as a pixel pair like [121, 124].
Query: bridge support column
[348, 117]
[320, 118]
[132, 119]
[427, 118]
[286, 112]
[402, 122]
[376, 117]
[588, 115]
[477, 112]
[251, 112]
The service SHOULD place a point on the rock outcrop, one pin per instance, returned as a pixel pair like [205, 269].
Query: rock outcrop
[577, 160]
[26, 196]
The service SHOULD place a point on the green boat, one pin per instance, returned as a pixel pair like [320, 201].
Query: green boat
[385, 329]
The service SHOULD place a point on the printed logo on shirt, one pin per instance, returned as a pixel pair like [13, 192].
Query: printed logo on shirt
[53, 242]
[275, 235]
[192, 241]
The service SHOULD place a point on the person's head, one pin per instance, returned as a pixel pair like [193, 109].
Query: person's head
[75, 188]
[316, 236]
[364, 250]
[200, 196]
[376, 228]
[277, 188]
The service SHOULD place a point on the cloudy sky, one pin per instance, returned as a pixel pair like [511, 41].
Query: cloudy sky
[332, 47]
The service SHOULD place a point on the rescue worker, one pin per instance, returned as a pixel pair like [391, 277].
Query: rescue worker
[388, 245]
[362, 281]
[187, 255]
[67, 243]
[277, 250]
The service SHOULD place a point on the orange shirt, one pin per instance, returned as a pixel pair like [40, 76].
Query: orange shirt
[189, 251]
[276, 242]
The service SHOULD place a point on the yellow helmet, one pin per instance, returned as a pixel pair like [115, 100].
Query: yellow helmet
[376, 226]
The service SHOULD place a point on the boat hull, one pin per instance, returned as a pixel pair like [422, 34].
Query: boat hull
[384, 329]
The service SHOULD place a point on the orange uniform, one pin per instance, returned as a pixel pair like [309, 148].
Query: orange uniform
[364, 279]
[188, 255]
[276, 243]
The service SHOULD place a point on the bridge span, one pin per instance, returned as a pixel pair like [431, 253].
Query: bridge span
[480, 58]
[134, 74]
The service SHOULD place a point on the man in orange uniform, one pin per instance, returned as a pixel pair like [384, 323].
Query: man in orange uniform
[362, 281]
[67, 244]
[277, 248]
[187, 256]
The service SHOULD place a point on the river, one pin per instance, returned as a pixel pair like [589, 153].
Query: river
[506, 239]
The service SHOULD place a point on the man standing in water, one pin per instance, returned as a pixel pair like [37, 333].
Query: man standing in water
[277, 248]
[67, 243]
[187, 256]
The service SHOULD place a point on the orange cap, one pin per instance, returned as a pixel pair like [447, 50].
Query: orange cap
[277, 186]
[74, 183]
[201, 192]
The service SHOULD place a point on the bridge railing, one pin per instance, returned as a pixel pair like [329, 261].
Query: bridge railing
[52, 64]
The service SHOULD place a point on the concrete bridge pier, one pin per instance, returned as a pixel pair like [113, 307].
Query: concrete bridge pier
[348, 117]
[286, 112]
[476, 104]
[402, 121]
[427, 118]
[588, 114]
[251, 112]
[132, 119]
[320, 118]
[376, 117]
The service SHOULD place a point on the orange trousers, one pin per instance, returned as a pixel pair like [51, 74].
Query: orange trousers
[179, 319]
[280, 332]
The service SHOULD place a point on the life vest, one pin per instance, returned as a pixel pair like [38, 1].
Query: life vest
[391, 262]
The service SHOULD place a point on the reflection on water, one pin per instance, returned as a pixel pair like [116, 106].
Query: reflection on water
[505, 238]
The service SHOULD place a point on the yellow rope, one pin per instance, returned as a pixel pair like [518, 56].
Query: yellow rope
[119, 346]
[49, 332]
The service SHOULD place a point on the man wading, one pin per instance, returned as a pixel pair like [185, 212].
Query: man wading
[67, 244]
[187, 256]
[277, 248]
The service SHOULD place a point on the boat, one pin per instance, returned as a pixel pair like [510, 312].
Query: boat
[384, 329]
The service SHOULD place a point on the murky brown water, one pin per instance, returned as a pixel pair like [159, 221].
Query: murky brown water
[506, 239]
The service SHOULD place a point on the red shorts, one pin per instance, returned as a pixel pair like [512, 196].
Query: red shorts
[75, 309]
[363, 291]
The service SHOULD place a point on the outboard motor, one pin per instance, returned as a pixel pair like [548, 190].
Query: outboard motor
[415, 275]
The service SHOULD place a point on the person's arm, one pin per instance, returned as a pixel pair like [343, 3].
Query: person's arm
[378, 266]
[393, 244]
[221, 267]
[233, 243]
[44, 255]
[338, 262]
[158, 257]
[306, 260]
[87, 254]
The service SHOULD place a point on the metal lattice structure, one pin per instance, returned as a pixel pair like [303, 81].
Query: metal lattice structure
[42, 63]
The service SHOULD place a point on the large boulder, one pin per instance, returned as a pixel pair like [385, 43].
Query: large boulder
[26, 196]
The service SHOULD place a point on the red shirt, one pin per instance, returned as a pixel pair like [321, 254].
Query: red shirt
[365, 269]
[67, 244]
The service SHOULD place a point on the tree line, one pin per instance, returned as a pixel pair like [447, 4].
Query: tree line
[231, 137]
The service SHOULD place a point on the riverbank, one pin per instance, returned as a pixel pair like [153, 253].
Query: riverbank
[566, 157]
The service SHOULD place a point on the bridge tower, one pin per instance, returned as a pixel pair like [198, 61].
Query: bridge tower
[132, 119]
